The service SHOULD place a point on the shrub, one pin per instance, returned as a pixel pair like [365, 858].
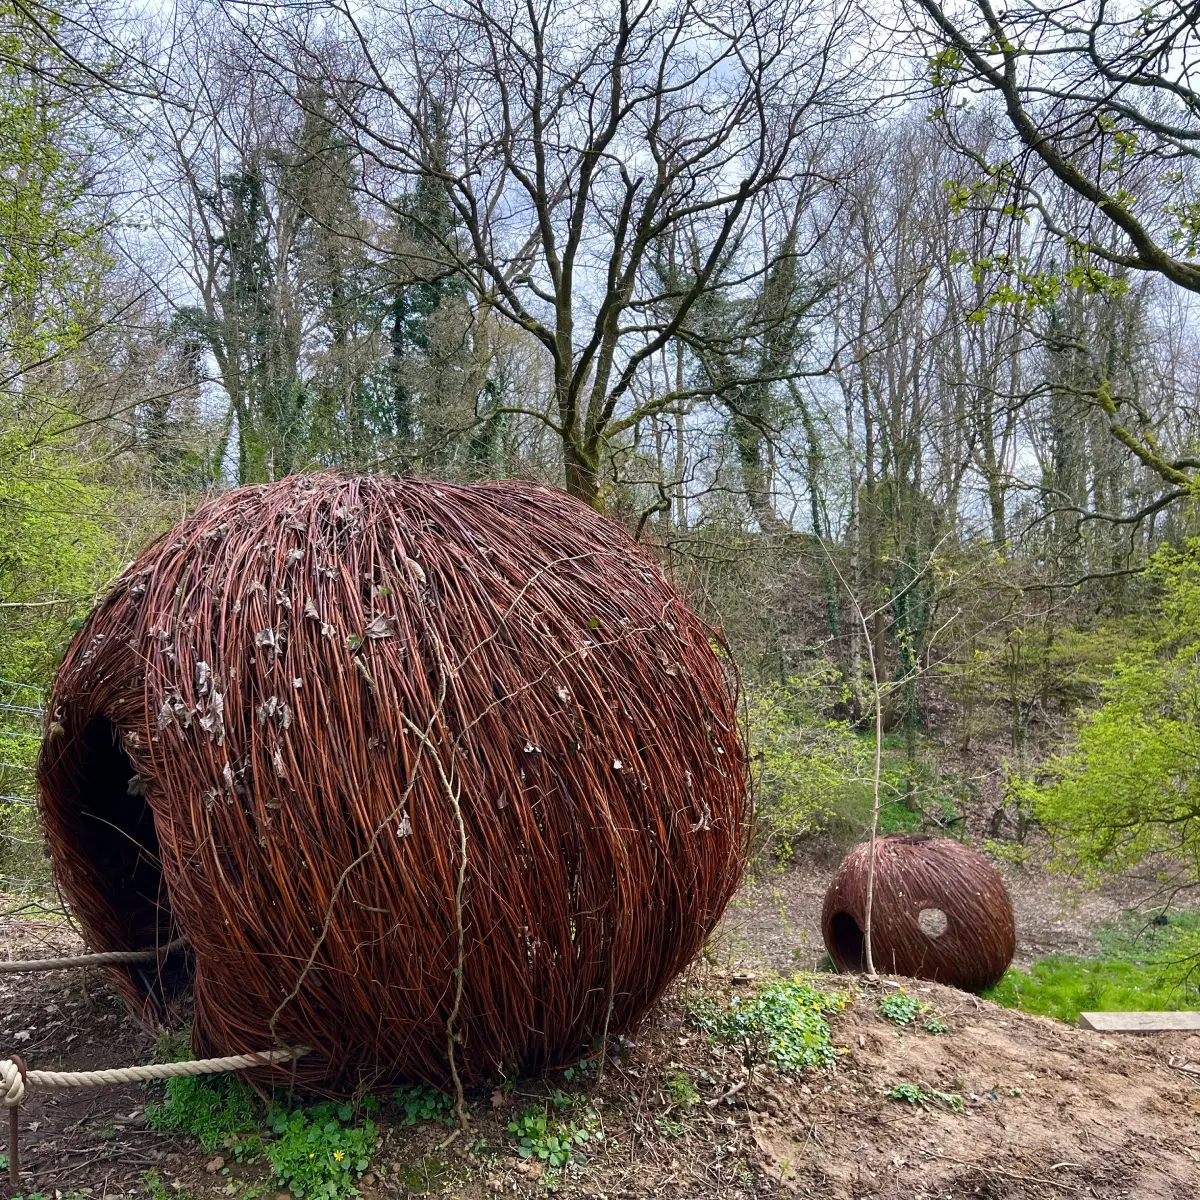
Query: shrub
[1129, 789]
[800, 759]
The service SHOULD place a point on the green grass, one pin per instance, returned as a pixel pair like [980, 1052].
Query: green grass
[1138, 968]
[215, 1110]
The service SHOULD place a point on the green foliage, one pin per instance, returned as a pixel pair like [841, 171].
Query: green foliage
[1186, 235]
[317, 1152]
[58, 550]
[174, 1046]
[1013, 281]
[153, 1186]
[1130, 786]
[52, 253]
[217, 1110]
[1012, 853]
[668, 1128]
[1140, 968]
[944, 67]
[680, 1089]
[901, 1008]
[783, 1023]
[909, 1093]
[56, 545]
[557, 1143]
[801, 760]
[936, 794]
[424, 1103]
[584, 1066]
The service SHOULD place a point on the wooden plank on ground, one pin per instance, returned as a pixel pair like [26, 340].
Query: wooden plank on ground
[1140, 1022]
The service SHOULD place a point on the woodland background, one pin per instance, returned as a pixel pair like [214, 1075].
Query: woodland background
[878, 325]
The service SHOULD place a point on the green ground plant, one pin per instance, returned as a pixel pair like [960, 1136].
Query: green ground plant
[668, 1128]
[557, 1141]
[680, 1090]
[153, 1186]
[901, 1008]
[217, 1110]
[782, 1024]
[909, 1093]
[682, 1097]
[424, 1103]
[317, 1152]
[583, 1068]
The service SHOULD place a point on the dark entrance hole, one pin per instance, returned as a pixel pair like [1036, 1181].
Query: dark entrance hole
[848, 940]
[116, 836]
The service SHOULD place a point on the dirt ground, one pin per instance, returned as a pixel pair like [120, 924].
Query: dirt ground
[1048, 1110]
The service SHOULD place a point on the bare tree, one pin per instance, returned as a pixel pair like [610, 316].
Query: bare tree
[1103, 102]
[576, 143]
[1103, 98]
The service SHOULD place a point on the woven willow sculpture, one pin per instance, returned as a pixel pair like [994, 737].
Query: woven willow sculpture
[414, 768]
[940, 911]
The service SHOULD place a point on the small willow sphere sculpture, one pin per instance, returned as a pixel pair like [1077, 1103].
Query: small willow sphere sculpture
[431, 778]
[940, 911]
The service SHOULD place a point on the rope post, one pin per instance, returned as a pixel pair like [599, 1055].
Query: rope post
[13, 1101]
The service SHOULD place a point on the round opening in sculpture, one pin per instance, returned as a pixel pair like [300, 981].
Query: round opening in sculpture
[932, 922]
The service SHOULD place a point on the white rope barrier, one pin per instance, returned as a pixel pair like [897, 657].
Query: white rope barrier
[14, 1085]
[105, 958]
[15, 1079]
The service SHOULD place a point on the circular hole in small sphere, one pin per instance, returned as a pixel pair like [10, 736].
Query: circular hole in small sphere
[932, 922]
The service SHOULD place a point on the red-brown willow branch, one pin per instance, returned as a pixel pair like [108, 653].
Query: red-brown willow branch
[304, 706]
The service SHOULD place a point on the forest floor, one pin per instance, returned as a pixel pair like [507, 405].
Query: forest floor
[1047, 1110]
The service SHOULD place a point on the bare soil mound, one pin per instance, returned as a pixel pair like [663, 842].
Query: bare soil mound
[1047, 1110]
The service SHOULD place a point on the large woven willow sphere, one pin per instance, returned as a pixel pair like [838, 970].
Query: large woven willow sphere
[940, 911]
[408, 765]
